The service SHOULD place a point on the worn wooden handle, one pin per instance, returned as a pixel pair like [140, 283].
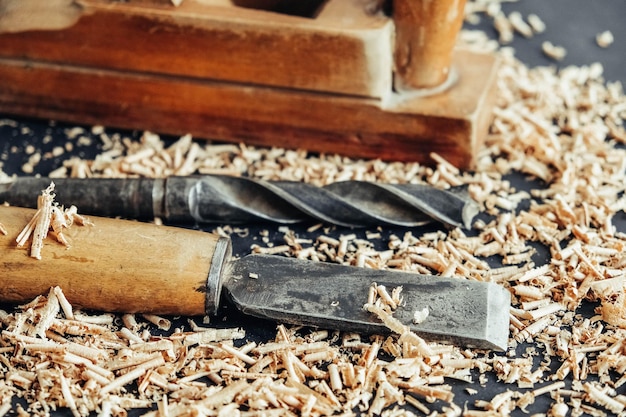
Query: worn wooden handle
[426, 33]
[116, 265]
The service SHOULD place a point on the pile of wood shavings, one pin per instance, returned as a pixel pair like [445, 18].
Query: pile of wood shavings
[564, 129]
[505, 26]
[49, 219]
[53, 356]
[508, 26]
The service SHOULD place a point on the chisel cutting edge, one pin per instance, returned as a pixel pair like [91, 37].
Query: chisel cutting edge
[128, 266]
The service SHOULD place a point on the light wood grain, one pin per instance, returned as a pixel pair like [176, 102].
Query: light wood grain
[426, 32]
[115, 265]
[408, 129]
[213, 42]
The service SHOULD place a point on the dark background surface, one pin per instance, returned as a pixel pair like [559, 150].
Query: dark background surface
[572, 24]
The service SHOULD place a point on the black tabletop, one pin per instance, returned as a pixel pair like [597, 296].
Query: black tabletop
[573, 25]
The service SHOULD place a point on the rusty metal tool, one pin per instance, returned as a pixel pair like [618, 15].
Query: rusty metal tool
[225, 199]
[129, 266]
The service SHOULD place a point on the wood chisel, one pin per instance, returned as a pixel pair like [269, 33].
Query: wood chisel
[129, 266]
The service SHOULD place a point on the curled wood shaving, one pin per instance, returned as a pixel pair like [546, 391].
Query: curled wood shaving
[90, 367]
[536, 23]
[553, 51]
[48, 219]
[604, 39]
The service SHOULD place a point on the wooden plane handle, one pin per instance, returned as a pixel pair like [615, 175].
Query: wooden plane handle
[426, 32]
[116, 265]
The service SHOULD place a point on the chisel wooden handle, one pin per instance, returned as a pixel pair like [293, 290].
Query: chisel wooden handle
[117, 265]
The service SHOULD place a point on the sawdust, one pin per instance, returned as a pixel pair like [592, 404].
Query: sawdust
[563, 129]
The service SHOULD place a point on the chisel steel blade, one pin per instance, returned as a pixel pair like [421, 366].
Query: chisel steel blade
[462, 312]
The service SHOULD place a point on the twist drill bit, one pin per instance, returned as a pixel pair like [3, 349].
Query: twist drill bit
[225, 199]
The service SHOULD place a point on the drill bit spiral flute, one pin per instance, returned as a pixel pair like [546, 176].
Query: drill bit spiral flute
[225, 199]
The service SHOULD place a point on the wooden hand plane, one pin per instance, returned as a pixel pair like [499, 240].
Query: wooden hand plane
[366, 79]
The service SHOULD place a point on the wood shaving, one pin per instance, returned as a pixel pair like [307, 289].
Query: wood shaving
[604, 39]
[93, 369]
[553, 51]
[519, 24]
[536, 23]
[504, 28]
[48, 219]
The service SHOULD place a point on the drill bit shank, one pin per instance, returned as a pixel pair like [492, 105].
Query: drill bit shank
[226, 199]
